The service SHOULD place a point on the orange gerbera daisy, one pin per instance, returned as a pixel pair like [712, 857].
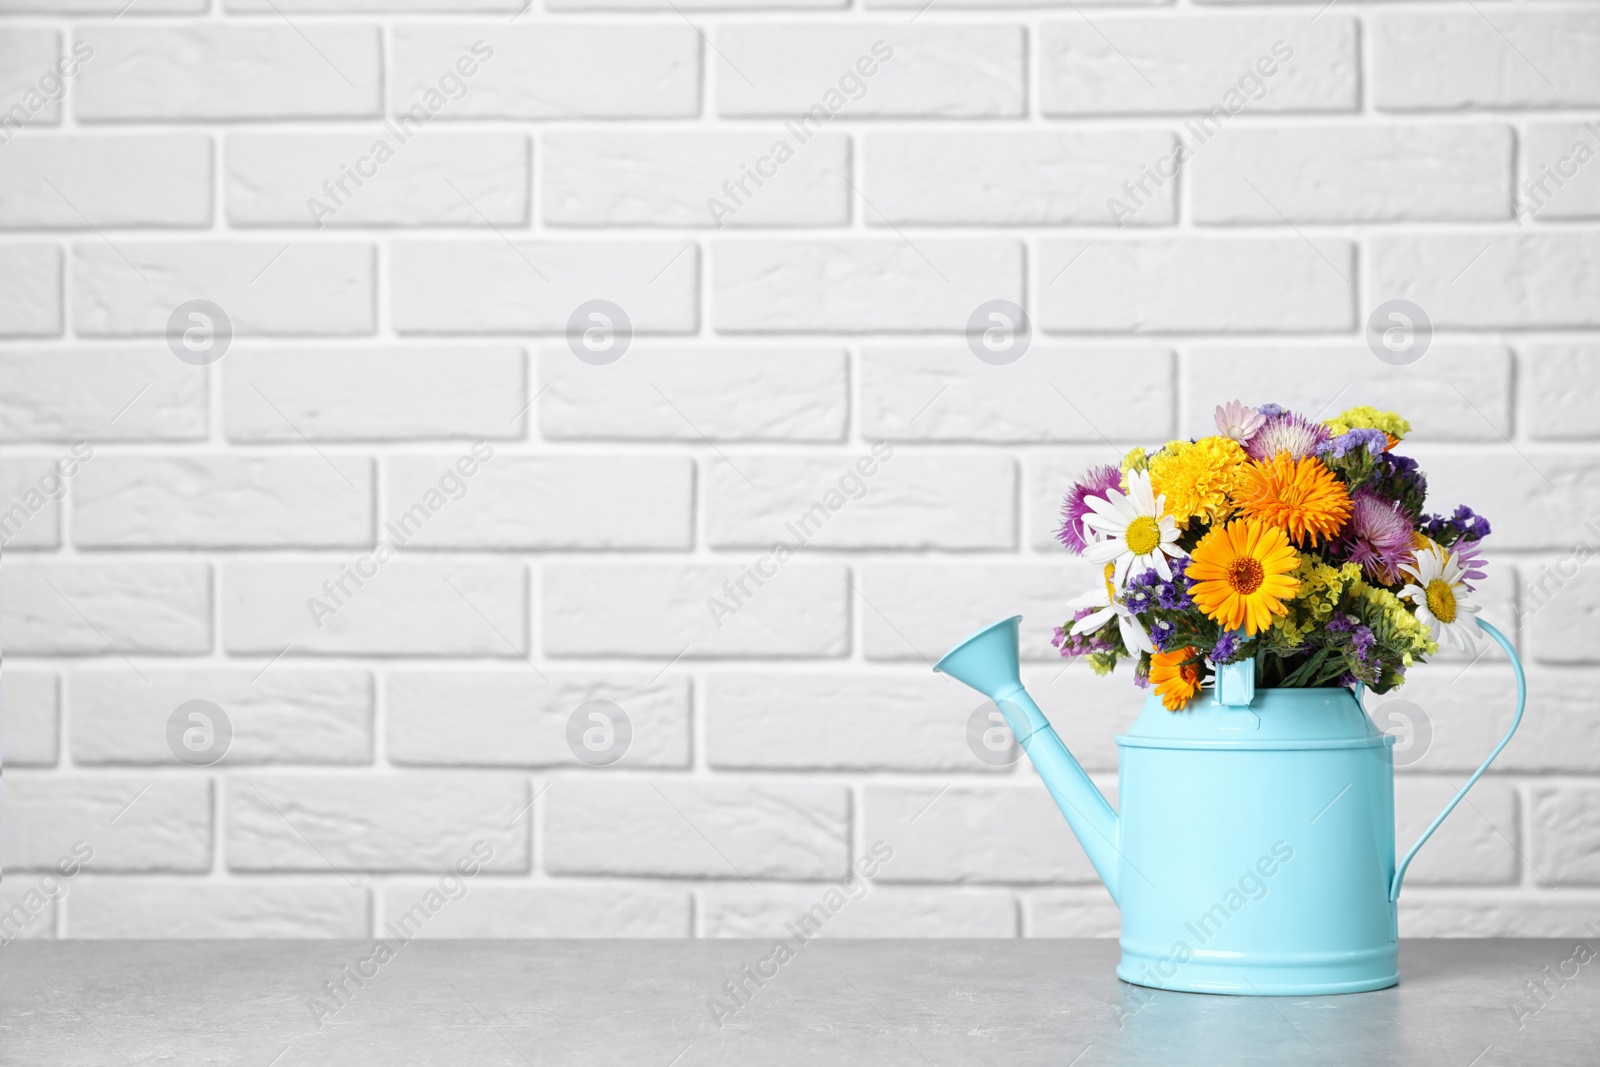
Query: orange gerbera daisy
[1176, 676]
[1301, 497]
[1242, 575]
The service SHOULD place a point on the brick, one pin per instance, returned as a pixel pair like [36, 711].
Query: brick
[551, 911]
[1565, 847]
[1558, 385]
[31, 489]
[100, 394]
[837, 721]
[664, 609]
[27, 910]
[212, 71]
[1563, 614]
[1440, 913]
[373, 393]
[719, 830]
[1526, 510]
[696, 394]
[693, 179]
[292, 179]
[110, 609]
[28, 56]
[407, 608]
[787, 69]
[397, 7]
[942, 392]
[514, 719]
[872, 911]
[102, 7]
[31, 275]
[1518, 59]
[223, 501]
[1071, 913]
[1011, 834]
[1454, 393]
[32, 720]
[1469, 709]
[696, 5]
[860, 285]
[552, 70]
[544, 502]
[1009, 178]
[1557, 181]
[417, 821]
[131, 823]
[264, 287]
[1215, 65]
[277, 716]
[140, 908]
[1476, 845]
[873, 499]
[161, 180]
[918, 611]
[1378, 173]
[1197, 284]
[536, 286]
[1491, 279]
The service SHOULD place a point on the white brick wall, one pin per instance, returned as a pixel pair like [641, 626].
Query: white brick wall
[799, 205]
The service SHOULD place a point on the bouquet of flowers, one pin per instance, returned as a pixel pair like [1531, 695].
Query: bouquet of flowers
[1300, 545]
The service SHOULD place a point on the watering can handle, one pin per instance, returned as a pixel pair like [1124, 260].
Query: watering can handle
[1522, 699]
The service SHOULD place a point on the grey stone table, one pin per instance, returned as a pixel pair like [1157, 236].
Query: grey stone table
[650, 1003]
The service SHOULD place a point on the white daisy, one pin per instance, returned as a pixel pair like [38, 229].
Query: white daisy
[1136, 535]
[1441, 596]
[1104, 599]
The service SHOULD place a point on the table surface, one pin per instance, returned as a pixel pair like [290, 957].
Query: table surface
[648, 1003]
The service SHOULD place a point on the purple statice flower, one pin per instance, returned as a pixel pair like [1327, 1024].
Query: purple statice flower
[1470, 556]
[1463, 525]
[1340, 622]
[1374, 441]
[1378, 536]
[1097, 482]
[1226, 648]
[1361, 640]
[1174, 595]
[1348, 680]
[1271, 411]
[1288, 432]
[1072, 644]
[1148, 589]
[1162, 634]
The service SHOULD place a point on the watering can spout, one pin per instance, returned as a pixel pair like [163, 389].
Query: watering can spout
[988, 662]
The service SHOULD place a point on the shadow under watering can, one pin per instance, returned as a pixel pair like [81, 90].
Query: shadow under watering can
[1254, 853]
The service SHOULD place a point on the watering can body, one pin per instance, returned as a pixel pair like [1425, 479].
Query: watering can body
[1254, 852]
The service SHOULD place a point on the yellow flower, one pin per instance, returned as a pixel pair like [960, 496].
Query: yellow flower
[1135, 460]
[1242, 574]
[1301, 497]
[1321, 588]
[1176, 676]
[1198, 478]
[1418, 633]
[1369, 418]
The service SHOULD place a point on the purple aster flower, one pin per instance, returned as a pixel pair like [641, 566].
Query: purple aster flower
[1289, 433]
[1097, 482]
[1470, 556]
[1374, 441]
[1378, 536]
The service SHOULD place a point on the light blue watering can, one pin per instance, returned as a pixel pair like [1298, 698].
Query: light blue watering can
[1254, 853]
